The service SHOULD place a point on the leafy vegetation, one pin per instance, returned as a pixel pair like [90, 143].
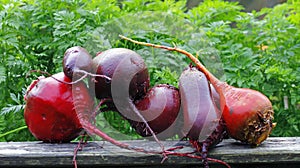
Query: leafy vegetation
[260, 50]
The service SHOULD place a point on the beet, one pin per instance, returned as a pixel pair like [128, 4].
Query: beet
[76, 60]
[111, 63]
[160, 107]
[201, 116]
[203, 125]
[250, 115]
[50, 113]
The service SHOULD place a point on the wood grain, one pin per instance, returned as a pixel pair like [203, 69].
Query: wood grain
[274, 152]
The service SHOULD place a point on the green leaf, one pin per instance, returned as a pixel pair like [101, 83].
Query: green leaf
[11, 109]
[2, 74]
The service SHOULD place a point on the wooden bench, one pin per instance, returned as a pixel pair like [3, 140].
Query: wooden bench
[274, 152]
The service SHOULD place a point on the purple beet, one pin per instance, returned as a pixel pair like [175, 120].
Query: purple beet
[76, 59]
[111, 63]
[203, 125]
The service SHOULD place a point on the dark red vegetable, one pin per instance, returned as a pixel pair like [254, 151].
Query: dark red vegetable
[202, 119]
[111, 63]
[160, 107]
[50, 113]
[248, 114]
[76, 61]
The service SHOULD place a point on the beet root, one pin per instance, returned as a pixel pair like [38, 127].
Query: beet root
[203, 125]
[50, 112]
[201, 115]
[111, 63]
[250, 115]
[160, 107]
[76, 61]
[57, 111]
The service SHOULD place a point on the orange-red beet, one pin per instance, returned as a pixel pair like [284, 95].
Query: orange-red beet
[250, 115]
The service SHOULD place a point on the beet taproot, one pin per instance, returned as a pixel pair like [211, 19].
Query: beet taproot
[203, 125]
[76, 61]
[58, 110]
[50, 113]
[109, 63]
[250, 115]
[201, 116]
[160, 107]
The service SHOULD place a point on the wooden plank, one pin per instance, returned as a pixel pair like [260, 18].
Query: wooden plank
[274, 152]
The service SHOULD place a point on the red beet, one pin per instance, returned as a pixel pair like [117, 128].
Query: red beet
[50, 112]
[111, 63]
[245, 121]
[76, 60]
[160, 107]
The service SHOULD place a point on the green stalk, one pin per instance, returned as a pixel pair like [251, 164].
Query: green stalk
[13, 131]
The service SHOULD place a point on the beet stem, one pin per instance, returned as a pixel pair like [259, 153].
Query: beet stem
[38, 71]
[73, 82]
[147, 125]
[92, 129]
[93, 75]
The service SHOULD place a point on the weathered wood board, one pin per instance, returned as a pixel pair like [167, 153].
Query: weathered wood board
[274, 152]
